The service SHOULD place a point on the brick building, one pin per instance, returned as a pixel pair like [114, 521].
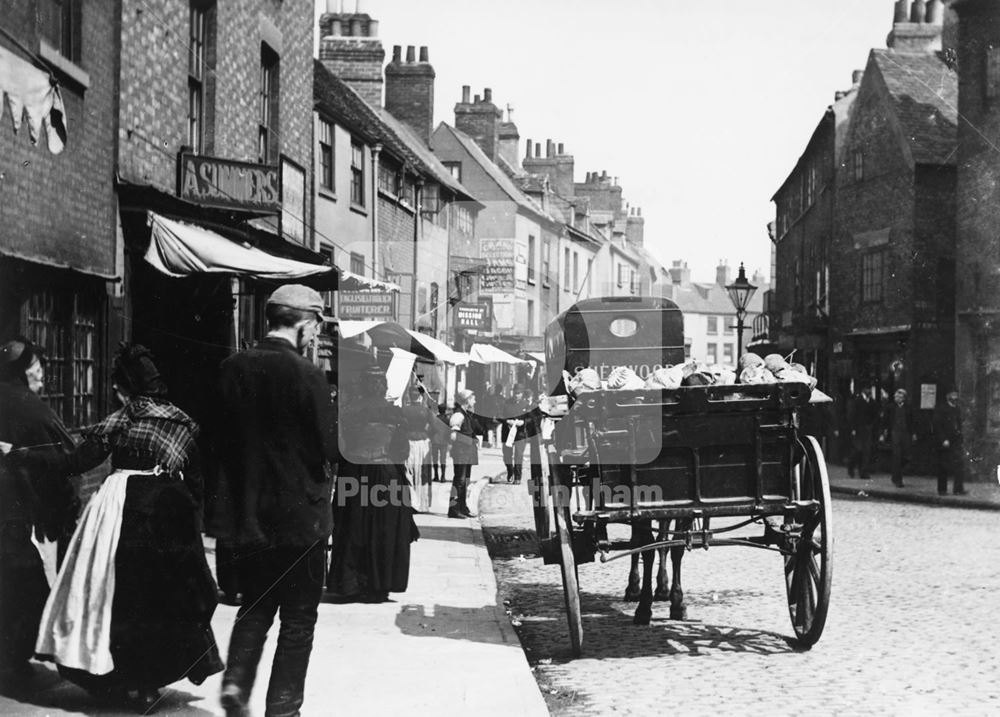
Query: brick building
[215, 132]
[977, 250]
[59, 265]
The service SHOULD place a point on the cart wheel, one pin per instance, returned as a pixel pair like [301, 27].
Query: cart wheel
[571, 587]
[809, 571]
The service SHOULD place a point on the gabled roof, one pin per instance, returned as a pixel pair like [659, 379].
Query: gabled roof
[494, 172]
[697, 298]
[924, 94]
[336, 99]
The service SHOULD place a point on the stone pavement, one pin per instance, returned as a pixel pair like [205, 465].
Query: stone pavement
[916, 489]
[444, 647]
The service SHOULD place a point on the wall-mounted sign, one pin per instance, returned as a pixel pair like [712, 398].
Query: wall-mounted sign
[471, 316]
[366, 305]
[497, 275]
[928, 396]
[228, 183]
[293, 201]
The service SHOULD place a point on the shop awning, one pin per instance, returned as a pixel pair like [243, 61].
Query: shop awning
[486, 353]
[386, 335]
[350, 281]
[32, 92]
[180, 249]
[442, 351]
[537, 356]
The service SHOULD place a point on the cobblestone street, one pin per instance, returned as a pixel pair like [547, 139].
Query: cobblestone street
[912, 626]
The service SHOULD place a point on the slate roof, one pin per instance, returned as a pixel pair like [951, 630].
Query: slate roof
[924, 92]
[336, 99]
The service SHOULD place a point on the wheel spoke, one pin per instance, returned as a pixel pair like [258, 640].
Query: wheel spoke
[814, 571]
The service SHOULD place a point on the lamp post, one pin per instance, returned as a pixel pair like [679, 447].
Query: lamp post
[740, 292]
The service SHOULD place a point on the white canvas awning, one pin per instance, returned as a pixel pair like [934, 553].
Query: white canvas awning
[442, 351]
[537, 355]
[487, 353]
[181, 249]
[349, 281]
[31, 91]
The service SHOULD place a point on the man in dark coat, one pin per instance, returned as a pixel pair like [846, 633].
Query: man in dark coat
[275, 428]
[30, 500]
[862, 419]
[948, 439]
[900, 426]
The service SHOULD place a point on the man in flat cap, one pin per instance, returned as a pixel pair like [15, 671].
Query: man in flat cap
[275, 427]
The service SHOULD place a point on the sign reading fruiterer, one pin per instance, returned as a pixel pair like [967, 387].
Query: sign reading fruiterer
[366, 305]
[228, 184]
[471, 316]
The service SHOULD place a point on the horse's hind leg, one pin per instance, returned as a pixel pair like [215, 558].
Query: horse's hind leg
[634, 586]
[644, 610]
[662, 583]
[678, 610]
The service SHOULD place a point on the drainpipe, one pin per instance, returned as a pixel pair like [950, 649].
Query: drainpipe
[418, 200]
[375, 151]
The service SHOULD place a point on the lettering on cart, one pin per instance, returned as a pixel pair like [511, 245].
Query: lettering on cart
[642, 370]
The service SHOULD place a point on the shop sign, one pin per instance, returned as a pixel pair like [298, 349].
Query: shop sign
[470, 316]
[227, 183]
[293, 201]
[497, 274]
[366, 305]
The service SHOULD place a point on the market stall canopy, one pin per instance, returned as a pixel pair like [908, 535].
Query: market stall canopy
[32, 92]
[442, 351]
[350, 281]
[180, 249]
[486, 353]
[385, 334]
[537, 356]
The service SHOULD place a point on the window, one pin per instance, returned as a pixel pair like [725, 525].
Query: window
[455, 168]
[68, 327]
[590, 276]
[531, 317]
[531, 259]
[357, 263]
[872, 276]
[713, 325]
[197, 23]
[546, 251]
[326, 155]
[357, 173]
[992, 86]
[565, 273]
[462, 218]
[435, 298]
[59, 24]
[727, 325]
[712, 353]
[727, 354]
[859, 165]
[388, 179]
[621, 276]
[633, 281]
[267, 98]
[576, 272]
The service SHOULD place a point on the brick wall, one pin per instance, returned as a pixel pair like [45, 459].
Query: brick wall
[409, 92]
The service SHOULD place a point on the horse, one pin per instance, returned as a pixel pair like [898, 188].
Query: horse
[642, 534]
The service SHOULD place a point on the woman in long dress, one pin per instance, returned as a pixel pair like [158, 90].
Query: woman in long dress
[373, 519]
[131, 608]
[420, 423]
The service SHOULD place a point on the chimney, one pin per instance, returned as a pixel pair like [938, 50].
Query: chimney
[916, 26]
[357, 57]
[679, 273]
[481, 121]
[508, 140]
[557, 166]
[722, 275]
[409, 91]
[635, 227]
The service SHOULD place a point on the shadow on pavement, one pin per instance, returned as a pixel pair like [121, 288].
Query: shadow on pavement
[448, 621]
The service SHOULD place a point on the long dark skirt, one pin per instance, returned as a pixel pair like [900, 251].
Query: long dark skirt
[164, 594]
[372, 531]
[23, 589]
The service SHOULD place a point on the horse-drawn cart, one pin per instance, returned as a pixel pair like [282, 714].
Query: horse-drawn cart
[682, 457]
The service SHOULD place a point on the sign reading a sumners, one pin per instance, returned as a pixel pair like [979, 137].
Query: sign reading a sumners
[228, 183]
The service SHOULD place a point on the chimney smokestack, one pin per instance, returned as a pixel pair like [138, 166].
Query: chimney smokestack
[410, 54]
[465, 94]
[373, 28]
[560, 151]
[397, 52]
[475, 99]
[527, 150]
[901, 12]
[917, 11]
[423, 54]
[548, 148]
[935, 12]
[487, 95]
[538, 150]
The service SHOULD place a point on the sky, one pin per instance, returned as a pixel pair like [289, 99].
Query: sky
[701, 109]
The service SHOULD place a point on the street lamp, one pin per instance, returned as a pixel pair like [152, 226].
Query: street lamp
[740, 292]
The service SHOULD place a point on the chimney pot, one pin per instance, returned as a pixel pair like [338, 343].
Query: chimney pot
[335, 27]
[560, 152]
[356, 28]
[527, 153]
[638, 211]
[423, 54]
[465, 94]
[397, 52]
[475, 99]
[604, 174]
[548, 148]
[538, 150]
[935, 12]
[901, 12]
[410, 54]
[373, 28]
[487, 95]
[917, 11]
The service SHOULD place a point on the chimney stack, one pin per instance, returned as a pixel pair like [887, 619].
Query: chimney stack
[560, 150]
[409, 91]
[350, 49]
[481, 121]
[423, 54]
[487, 95]
[465, 94]
[396, 53]
[916, 26]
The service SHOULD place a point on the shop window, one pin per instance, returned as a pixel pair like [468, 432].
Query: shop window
[872, 276]
[267, 96]
[326, 154]
[69, 328]
[357, 173]
[59, 23]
